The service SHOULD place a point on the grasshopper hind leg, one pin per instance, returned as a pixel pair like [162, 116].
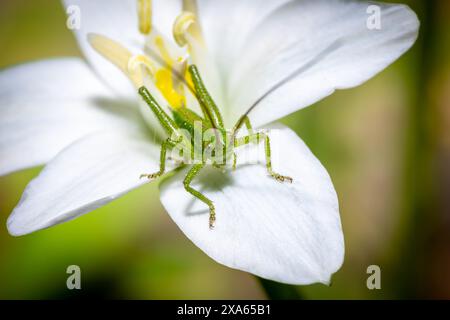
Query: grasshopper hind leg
[275, 175]
[193, 172]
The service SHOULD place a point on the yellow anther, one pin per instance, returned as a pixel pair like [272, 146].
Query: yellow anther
[141, 60]
[169, 89]
[186, 26]
[162, 49]
[168, 82]
[111, 50]
[140, 66]
[190, 5]
[145, 16]
[178, 69]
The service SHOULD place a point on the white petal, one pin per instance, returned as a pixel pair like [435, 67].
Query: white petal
[88, 174]
[226, 26]
[164, 14]
[289, 233]
[118, 20]
[45, 106]
[325, 42]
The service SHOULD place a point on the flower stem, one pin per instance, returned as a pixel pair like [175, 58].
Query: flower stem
[279, 291]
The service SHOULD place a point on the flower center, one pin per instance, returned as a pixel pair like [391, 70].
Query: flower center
[162, 64]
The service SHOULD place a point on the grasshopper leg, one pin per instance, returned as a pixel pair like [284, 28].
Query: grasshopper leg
[256, 137]
[162, 161]
[187, 185]
[248, 125]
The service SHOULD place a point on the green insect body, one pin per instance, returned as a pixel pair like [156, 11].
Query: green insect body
[184, 118]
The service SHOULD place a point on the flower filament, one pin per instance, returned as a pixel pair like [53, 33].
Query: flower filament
[165, 74]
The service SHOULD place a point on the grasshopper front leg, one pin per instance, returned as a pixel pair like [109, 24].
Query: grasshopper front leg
[162, 160]
[187, 185]
[256, 137]
[245, 121]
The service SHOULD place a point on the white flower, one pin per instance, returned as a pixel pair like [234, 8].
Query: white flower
[89, 131]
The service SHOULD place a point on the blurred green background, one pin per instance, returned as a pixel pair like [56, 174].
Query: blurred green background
[385, 144]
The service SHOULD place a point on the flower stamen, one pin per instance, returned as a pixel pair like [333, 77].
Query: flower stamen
[165, 74]
[166, 78]
[115, 53]
[145, 16]
[187, 32]
[169, 85]
[139, 67]
[190, 5]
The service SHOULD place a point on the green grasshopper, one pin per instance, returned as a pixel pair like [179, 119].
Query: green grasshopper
[224, 141]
